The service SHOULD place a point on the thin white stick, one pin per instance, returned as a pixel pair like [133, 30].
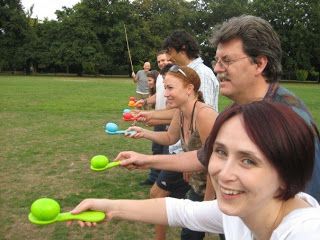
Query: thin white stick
[125, 31]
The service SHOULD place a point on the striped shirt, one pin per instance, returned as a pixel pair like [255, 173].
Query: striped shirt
[209, 83]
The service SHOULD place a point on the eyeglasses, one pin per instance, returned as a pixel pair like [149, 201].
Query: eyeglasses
[176, 68]
[225, 63]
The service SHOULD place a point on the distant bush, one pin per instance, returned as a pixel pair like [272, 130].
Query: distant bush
[314, 76]
[301, 74]
[89, 68]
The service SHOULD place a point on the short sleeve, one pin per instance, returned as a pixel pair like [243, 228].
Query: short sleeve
[198, 216]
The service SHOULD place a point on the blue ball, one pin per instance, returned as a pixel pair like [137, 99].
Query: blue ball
[111, 127]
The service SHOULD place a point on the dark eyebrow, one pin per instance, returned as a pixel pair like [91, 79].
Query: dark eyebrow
[218, 144]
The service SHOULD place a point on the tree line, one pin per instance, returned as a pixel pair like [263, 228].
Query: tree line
[89, 38]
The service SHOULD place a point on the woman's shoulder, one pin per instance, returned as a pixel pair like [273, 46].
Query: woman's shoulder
[299, 224]
[205, 110]
[302, 223]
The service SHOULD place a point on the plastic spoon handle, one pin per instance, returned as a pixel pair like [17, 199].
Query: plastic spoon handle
[88, 216]
[109, 165]
[121, 132]
[113, 164]
[125, 132]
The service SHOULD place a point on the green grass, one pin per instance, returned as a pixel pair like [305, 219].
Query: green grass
[50, 128]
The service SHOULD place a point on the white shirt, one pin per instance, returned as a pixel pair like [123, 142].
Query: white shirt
[161, 104]
[206, 216]
[160, 98]
[209, 83]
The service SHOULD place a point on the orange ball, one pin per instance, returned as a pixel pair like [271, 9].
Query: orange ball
[131, 104]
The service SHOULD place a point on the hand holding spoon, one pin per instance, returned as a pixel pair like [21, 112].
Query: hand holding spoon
[101, 162]
[46, 211]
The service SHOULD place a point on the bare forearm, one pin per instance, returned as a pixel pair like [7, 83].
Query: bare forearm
[140, 210]
[163, 114]
[154, 122]
[162, 138]
[182, 162]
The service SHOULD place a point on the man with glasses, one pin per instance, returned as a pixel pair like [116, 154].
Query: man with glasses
[248, 66]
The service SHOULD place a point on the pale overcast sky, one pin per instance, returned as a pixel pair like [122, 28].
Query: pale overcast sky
[46, 8]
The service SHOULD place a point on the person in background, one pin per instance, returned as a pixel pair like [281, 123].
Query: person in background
[140, 79]
[258, 180]
[183, 50]
[159, 101]
[152, 79]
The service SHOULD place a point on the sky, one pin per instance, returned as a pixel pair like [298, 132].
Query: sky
[46, 8]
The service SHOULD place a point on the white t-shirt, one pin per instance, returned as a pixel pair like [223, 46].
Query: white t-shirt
[160, 98]
[206, 217]
[161, 104]
[209, 83]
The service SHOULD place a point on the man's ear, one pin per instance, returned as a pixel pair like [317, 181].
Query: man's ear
[261, 62]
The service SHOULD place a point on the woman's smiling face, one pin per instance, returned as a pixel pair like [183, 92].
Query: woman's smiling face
[244, 180]
[151, 82]
[175, 91]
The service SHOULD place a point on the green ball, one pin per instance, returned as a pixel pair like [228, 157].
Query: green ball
[45, 209]
[99, 161]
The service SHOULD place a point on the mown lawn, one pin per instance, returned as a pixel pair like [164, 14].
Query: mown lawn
[50, 129]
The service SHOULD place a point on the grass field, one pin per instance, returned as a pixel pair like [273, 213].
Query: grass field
[50, 128]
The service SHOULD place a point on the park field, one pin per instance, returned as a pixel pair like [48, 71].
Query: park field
[50, 129]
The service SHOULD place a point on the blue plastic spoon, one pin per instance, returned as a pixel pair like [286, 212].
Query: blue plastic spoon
[112, 129]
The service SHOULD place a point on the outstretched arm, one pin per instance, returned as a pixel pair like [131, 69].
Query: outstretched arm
[164, 138]
[132, 210]
[166, 114]
[182, 162]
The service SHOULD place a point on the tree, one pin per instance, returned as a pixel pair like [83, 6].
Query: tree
[208, 14]
[90, 38]
[13, 31]
[297, 23]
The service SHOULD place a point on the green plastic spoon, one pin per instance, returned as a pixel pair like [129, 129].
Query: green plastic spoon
[101, 162]
[46, 211]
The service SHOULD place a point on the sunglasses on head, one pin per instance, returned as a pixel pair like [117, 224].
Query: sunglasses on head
[176, 69]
